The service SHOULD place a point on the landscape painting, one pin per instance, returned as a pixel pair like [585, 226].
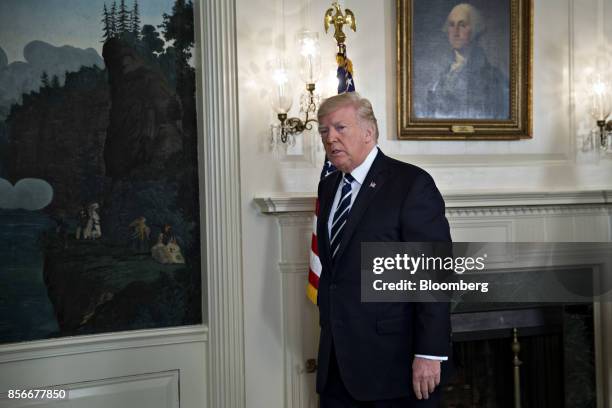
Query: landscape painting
[99, 202]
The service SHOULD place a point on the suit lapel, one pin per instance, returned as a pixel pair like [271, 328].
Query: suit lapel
[374, 180]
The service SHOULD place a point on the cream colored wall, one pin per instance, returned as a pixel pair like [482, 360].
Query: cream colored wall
[260, 240]
[565, 35]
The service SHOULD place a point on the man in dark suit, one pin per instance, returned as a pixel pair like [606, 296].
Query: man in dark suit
[373, 354]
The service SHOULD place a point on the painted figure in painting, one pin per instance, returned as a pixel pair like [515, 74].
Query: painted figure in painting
[166, 235]
[167, 250]
[140, 234]
[167, 254]
[81, 223]
[61, 229]
[92, 229]
[470, 87]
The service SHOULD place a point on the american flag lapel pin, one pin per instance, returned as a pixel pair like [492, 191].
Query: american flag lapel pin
[372, 184]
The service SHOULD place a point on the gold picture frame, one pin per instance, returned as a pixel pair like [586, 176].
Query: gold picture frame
[444, 95]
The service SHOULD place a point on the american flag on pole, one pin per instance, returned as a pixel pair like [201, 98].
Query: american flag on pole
[345, 84]
[314, 271]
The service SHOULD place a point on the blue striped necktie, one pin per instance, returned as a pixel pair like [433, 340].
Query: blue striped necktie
[341, 214]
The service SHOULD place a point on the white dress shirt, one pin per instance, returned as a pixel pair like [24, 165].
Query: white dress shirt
[359, 174]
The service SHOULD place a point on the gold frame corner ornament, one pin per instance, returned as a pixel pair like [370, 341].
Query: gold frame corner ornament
[520, 123]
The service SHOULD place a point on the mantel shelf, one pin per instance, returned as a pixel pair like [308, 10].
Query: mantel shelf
[276, 203]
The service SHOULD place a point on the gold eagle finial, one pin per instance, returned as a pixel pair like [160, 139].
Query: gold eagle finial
[338, 20]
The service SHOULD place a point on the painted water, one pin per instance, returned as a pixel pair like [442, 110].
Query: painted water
[25, 310]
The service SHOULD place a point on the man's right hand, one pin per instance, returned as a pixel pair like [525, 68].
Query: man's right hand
[425, 376]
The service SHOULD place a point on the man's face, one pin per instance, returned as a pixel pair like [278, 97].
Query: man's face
[459, 29]
[347, 141]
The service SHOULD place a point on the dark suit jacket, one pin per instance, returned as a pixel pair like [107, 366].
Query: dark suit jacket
[375, 343]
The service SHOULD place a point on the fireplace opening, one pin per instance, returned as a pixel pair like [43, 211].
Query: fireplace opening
[555, 345]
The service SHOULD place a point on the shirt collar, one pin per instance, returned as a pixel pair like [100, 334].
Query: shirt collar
[360, 172]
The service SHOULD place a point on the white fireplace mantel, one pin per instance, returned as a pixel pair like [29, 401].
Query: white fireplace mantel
[535, 216]
[275, 203]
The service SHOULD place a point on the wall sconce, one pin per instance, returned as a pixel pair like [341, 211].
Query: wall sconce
[309, 63]
[601, 107]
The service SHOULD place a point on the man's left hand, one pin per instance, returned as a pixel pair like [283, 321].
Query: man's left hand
[425, 376]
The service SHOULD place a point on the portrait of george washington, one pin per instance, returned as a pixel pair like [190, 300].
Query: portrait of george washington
[461, 60]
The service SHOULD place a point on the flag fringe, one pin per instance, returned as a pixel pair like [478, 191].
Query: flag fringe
[311, 292]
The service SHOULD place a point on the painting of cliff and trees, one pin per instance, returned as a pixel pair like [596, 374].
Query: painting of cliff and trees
[99, 203]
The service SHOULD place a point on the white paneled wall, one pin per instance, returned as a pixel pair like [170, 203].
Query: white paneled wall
[147, 368]
[158, 390]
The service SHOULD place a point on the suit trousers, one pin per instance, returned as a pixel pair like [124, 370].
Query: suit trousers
[335, 394]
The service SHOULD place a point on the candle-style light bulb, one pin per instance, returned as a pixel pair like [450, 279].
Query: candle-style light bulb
[310, 56]
[281, 97]
[601, 105]
[600, 89]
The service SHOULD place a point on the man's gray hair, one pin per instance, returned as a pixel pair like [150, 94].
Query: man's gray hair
[362, 106]
[476, 21]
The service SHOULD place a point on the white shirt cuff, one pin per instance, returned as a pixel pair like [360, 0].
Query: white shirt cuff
[439, 358]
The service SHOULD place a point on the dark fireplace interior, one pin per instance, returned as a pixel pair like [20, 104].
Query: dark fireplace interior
[556, 350]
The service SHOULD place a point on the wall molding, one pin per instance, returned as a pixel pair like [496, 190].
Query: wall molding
[66, 346]
[125, 390]
[293, 267]
[529, 211]
[488, 161]
[529, 198]
[222, 219]
[286, 202]
[295, 219]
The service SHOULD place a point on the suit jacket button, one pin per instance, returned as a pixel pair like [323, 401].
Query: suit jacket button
[332, 286]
